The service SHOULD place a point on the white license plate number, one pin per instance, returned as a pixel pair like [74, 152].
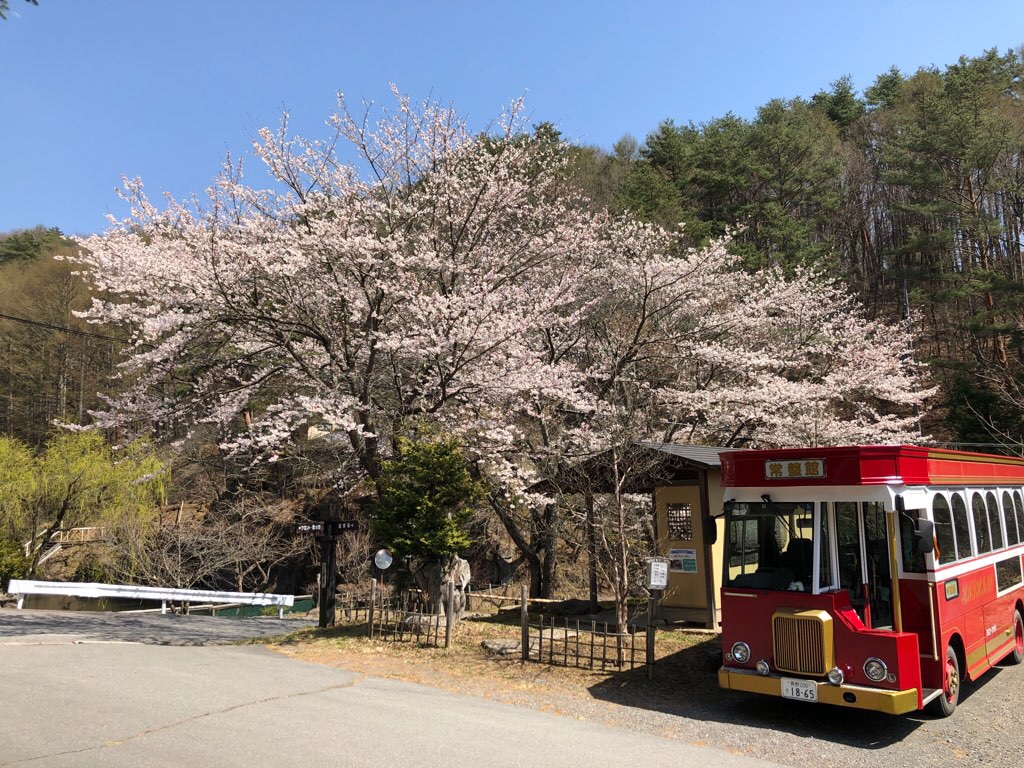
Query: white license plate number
[802, 690]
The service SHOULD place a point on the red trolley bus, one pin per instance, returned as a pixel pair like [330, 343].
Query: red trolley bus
[875, 577]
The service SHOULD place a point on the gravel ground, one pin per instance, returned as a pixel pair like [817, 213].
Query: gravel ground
[685, 703]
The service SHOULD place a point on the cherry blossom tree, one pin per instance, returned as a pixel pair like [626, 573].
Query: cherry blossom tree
[448, 278]
[683, 345]
[355, 303]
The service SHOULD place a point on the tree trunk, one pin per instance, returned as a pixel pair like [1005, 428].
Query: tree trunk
[540, 551]
[592, 553]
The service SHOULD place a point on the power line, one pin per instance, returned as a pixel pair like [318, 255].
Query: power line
[65, 329]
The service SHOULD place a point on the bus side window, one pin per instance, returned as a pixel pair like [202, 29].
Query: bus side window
[944, 536]
[961, 527]
[1012, 534]
[980, 515]
[913, 561]
[1018, 509]
[994, 523]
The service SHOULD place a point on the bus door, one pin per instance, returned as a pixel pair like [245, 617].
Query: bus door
[863, 548]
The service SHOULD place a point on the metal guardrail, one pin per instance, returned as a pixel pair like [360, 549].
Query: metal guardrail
[23, 587]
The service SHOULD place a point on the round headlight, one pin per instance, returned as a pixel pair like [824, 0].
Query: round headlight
[836, 676]
[875, 670]
[763, 668]
[741, 652]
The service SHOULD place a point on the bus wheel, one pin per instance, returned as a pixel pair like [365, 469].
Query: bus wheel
[1017, 654]
[945, 703]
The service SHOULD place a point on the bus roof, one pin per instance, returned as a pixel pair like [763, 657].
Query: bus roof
[867, 465]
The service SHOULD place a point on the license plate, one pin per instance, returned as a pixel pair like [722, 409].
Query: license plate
[804, 690]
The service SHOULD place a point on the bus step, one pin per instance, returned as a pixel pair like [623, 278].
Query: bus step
[927, 694]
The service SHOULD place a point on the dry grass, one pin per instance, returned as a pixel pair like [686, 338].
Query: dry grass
[683, 658]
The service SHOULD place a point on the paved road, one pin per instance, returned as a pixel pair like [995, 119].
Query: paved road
[31, 626]
[99, 704]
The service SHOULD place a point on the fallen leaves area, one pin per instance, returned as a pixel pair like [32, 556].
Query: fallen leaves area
[685, 663]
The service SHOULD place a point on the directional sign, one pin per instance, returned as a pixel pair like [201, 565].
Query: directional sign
[327, 529]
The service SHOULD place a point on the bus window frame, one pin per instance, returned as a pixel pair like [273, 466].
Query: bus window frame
[938, 563]
[1004, 496]
[972, 515]
[825, 508]
[1000, 544]
[960, 494]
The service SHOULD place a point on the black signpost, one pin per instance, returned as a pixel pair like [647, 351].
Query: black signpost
[328, 577]
[327, 532]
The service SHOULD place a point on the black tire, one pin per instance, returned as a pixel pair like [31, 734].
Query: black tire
[945, 704]
[1017, 654]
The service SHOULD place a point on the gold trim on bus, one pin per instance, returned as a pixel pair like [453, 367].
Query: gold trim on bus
[976, 655]
[874, 699]
[946, 455]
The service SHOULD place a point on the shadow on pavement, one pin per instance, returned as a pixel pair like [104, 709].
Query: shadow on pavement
[686, 685]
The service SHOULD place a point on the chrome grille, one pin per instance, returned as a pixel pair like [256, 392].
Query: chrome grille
[801, 642]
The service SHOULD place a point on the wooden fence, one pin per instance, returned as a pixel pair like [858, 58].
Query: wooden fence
[493, 595]
[568, 642]
[394, 619]
[585, 644]
[404, 618]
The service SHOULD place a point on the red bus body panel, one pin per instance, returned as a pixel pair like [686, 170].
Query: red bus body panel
[873, 465]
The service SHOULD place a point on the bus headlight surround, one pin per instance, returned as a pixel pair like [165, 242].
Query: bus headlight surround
[763, 668]
[836, 676]
[875, 670]
[741, 652]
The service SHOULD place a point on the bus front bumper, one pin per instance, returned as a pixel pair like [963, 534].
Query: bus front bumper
[875, 699]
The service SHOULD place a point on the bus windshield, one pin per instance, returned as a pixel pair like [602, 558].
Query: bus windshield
[770, 545]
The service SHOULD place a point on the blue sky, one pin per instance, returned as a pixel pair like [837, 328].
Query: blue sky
[94, 90]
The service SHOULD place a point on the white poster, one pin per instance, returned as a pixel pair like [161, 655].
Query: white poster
[682, 560]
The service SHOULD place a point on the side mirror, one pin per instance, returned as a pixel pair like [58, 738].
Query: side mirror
[710, 531]
[924, 536]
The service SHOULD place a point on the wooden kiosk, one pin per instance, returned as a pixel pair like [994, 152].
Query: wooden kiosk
[687, 508]
[685, 484]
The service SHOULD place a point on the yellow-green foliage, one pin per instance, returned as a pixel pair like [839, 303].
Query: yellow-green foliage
[98, 483]
[77, 480]
[18, 481]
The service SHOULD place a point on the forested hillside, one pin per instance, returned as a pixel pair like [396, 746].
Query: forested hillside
[54, 365]
[913, 191]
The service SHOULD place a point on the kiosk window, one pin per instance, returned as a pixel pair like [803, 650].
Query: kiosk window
[680, 522]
